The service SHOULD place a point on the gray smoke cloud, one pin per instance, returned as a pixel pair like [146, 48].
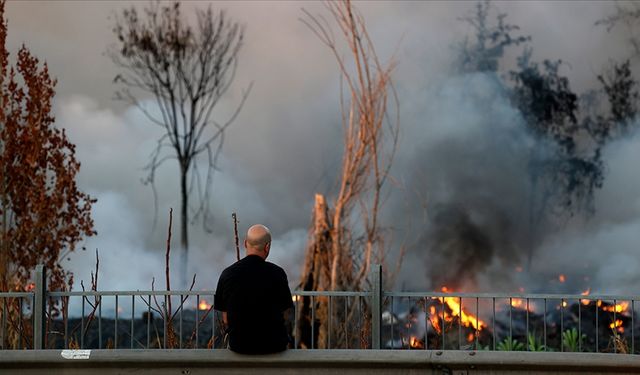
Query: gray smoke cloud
[460, 168]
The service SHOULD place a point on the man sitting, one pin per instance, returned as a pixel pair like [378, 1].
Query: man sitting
[253, 295]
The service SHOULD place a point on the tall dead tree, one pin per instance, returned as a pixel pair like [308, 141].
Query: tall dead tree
[186, 71]
[346, 235]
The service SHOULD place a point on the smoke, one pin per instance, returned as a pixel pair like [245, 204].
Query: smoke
[460, 208]
[113, 150]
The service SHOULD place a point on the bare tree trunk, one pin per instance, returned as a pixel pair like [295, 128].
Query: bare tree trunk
[340, 251]
[315, 276]
[184, 226]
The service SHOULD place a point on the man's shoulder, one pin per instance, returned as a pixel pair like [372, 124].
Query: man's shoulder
[229, 270]
[275, 268]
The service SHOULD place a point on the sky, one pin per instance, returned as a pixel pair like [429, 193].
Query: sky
[285, 145]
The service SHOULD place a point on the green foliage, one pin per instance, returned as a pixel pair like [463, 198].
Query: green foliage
[534, 344]
[571, 341]
[510, 345]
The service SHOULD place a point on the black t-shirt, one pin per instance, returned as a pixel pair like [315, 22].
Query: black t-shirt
[254, 293]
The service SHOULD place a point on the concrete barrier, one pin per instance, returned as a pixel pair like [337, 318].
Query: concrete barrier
[310, 362]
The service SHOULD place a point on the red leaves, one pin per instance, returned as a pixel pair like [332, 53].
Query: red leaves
[42, 212]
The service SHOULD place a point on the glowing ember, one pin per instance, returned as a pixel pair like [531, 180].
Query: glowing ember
[562, 278]
[204, 305]
[415, 343]
[470, 337]
[517, 302]
[617, 308]
[585, 293]
[30, 287]
[617, 325]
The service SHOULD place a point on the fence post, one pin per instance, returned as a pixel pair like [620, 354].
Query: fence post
[376, 304]
[39, 308]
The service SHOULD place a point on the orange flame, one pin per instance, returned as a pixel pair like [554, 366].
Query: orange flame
[617, 325]
[585, 293]
[468, 320]
[617, 308]
[433, 317]
[562, 278]
[204, 305]
[470, 337]
[415, 343]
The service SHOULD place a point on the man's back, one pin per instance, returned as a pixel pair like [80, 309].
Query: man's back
[254, 293]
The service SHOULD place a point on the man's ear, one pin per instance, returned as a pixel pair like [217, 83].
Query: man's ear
[245, 244]
[267, 247]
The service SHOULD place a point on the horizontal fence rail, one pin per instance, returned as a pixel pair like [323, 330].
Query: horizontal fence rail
[374, 319]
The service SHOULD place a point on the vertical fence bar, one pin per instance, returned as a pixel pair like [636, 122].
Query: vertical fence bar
[494, 322]
[295, 323]
[460, 323]
[133, 317]
[408, 327]
[579, 325]
[633, 312]
[391, 325]
[376, 305]
[313, 322]
[561, 324]
[197, 318]
[99, 322]
[426, 324]
[330, 321]
[443, 322]
[165, 326]
[346, 325]
[597, 349]
[544, 321]
[510, 322]
[615, 327]
[477, 321]
[82, 324]
[528, 348]
[39, 326]
[115, 327]
[20, 324]
[4, 323]
[149, 323]
[359, 320]
[181, 313]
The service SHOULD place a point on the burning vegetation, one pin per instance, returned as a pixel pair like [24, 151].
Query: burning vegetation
[533, 323]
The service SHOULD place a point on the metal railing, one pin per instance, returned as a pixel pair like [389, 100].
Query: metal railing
[374, 319]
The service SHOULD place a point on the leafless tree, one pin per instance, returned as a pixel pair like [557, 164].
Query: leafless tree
[347, 238]
[185, 71]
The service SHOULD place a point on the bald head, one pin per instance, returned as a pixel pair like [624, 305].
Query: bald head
[258, 241]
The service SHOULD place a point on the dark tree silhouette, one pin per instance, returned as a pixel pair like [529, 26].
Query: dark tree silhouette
[186, 71]
[483, 52]
[563, 179]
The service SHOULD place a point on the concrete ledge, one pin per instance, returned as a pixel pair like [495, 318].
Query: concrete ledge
[97, 362]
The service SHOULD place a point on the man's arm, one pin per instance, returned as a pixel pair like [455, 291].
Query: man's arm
[220, 302]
